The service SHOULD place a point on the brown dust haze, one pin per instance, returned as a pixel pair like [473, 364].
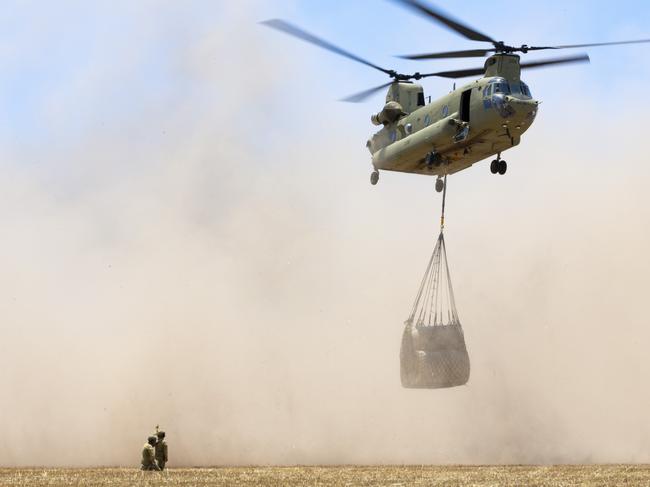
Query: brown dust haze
[207, 254]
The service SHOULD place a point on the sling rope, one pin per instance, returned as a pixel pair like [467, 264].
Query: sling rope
[435, 303]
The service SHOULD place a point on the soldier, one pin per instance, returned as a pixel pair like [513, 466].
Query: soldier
[149, 455]
[161, 450]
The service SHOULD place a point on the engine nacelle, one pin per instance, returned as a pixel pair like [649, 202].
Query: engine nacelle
[390, 114]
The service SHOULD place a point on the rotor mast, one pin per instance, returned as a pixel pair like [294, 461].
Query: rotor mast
[503, 65]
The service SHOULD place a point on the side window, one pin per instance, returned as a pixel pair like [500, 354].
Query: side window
[487, 91]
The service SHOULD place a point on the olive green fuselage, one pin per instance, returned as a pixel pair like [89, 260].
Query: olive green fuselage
[472, 123]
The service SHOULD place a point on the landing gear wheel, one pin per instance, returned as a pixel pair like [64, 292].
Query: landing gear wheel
[494, 166]
[374, 177]
[503, 167]
[440, 185]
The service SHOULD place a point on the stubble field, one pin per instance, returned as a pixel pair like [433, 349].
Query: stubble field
[604, 475]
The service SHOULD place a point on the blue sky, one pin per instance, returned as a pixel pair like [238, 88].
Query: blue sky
[380, 29]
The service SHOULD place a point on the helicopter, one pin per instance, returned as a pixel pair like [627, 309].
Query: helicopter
[476, 121]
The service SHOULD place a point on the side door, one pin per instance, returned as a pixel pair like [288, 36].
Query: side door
[465, 105]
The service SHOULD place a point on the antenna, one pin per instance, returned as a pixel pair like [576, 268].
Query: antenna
[454, 86]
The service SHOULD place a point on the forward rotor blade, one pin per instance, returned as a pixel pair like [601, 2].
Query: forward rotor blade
[361, 96]
[597, 44]
[461, 73]
[450, 54]
[436, 14]
[294, 31]
[583, 58]
[464, 73]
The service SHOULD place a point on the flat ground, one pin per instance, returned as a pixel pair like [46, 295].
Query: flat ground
[604, 475]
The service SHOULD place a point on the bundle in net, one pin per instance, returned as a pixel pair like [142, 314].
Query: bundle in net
[433, 352]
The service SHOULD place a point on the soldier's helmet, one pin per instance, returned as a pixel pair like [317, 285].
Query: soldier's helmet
[152, 440]
[160, 434]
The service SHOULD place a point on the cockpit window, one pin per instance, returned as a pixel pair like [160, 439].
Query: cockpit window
[525, 90]
[501, 87]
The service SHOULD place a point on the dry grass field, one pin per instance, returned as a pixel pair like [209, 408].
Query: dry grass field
[601, 475]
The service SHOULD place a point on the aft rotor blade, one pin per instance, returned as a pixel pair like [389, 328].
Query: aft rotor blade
[583, 58]
[361, 96]
[464, 73]
[446, 20]
[450, 54]
[597, 44]
[294, 31]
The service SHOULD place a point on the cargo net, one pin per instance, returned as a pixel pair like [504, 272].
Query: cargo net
[433, 352]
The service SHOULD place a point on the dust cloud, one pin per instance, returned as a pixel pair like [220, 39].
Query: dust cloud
[207, 254]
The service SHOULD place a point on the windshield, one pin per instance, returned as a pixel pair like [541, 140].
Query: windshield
[501, 86]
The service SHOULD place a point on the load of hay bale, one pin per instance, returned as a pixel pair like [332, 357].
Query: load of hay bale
[433, 353]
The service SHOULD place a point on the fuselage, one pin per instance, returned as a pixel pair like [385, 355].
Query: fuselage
[474, 122]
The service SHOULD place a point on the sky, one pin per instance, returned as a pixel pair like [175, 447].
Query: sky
[190, 239]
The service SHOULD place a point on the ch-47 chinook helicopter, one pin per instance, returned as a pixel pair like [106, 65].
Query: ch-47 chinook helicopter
[476, 121]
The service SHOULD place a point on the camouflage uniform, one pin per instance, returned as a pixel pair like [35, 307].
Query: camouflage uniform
[149, 457]
[161, 452]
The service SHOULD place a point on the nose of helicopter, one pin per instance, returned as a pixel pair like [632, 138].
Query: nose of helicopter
[522, 104]
[525, 110]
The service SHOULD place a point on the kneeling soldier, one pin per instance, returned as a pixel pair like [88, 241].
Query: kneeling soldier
[149, 455]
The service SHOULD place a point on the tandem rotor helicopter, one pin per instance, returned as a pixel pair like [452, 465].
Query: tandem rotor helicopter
[478, 120]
